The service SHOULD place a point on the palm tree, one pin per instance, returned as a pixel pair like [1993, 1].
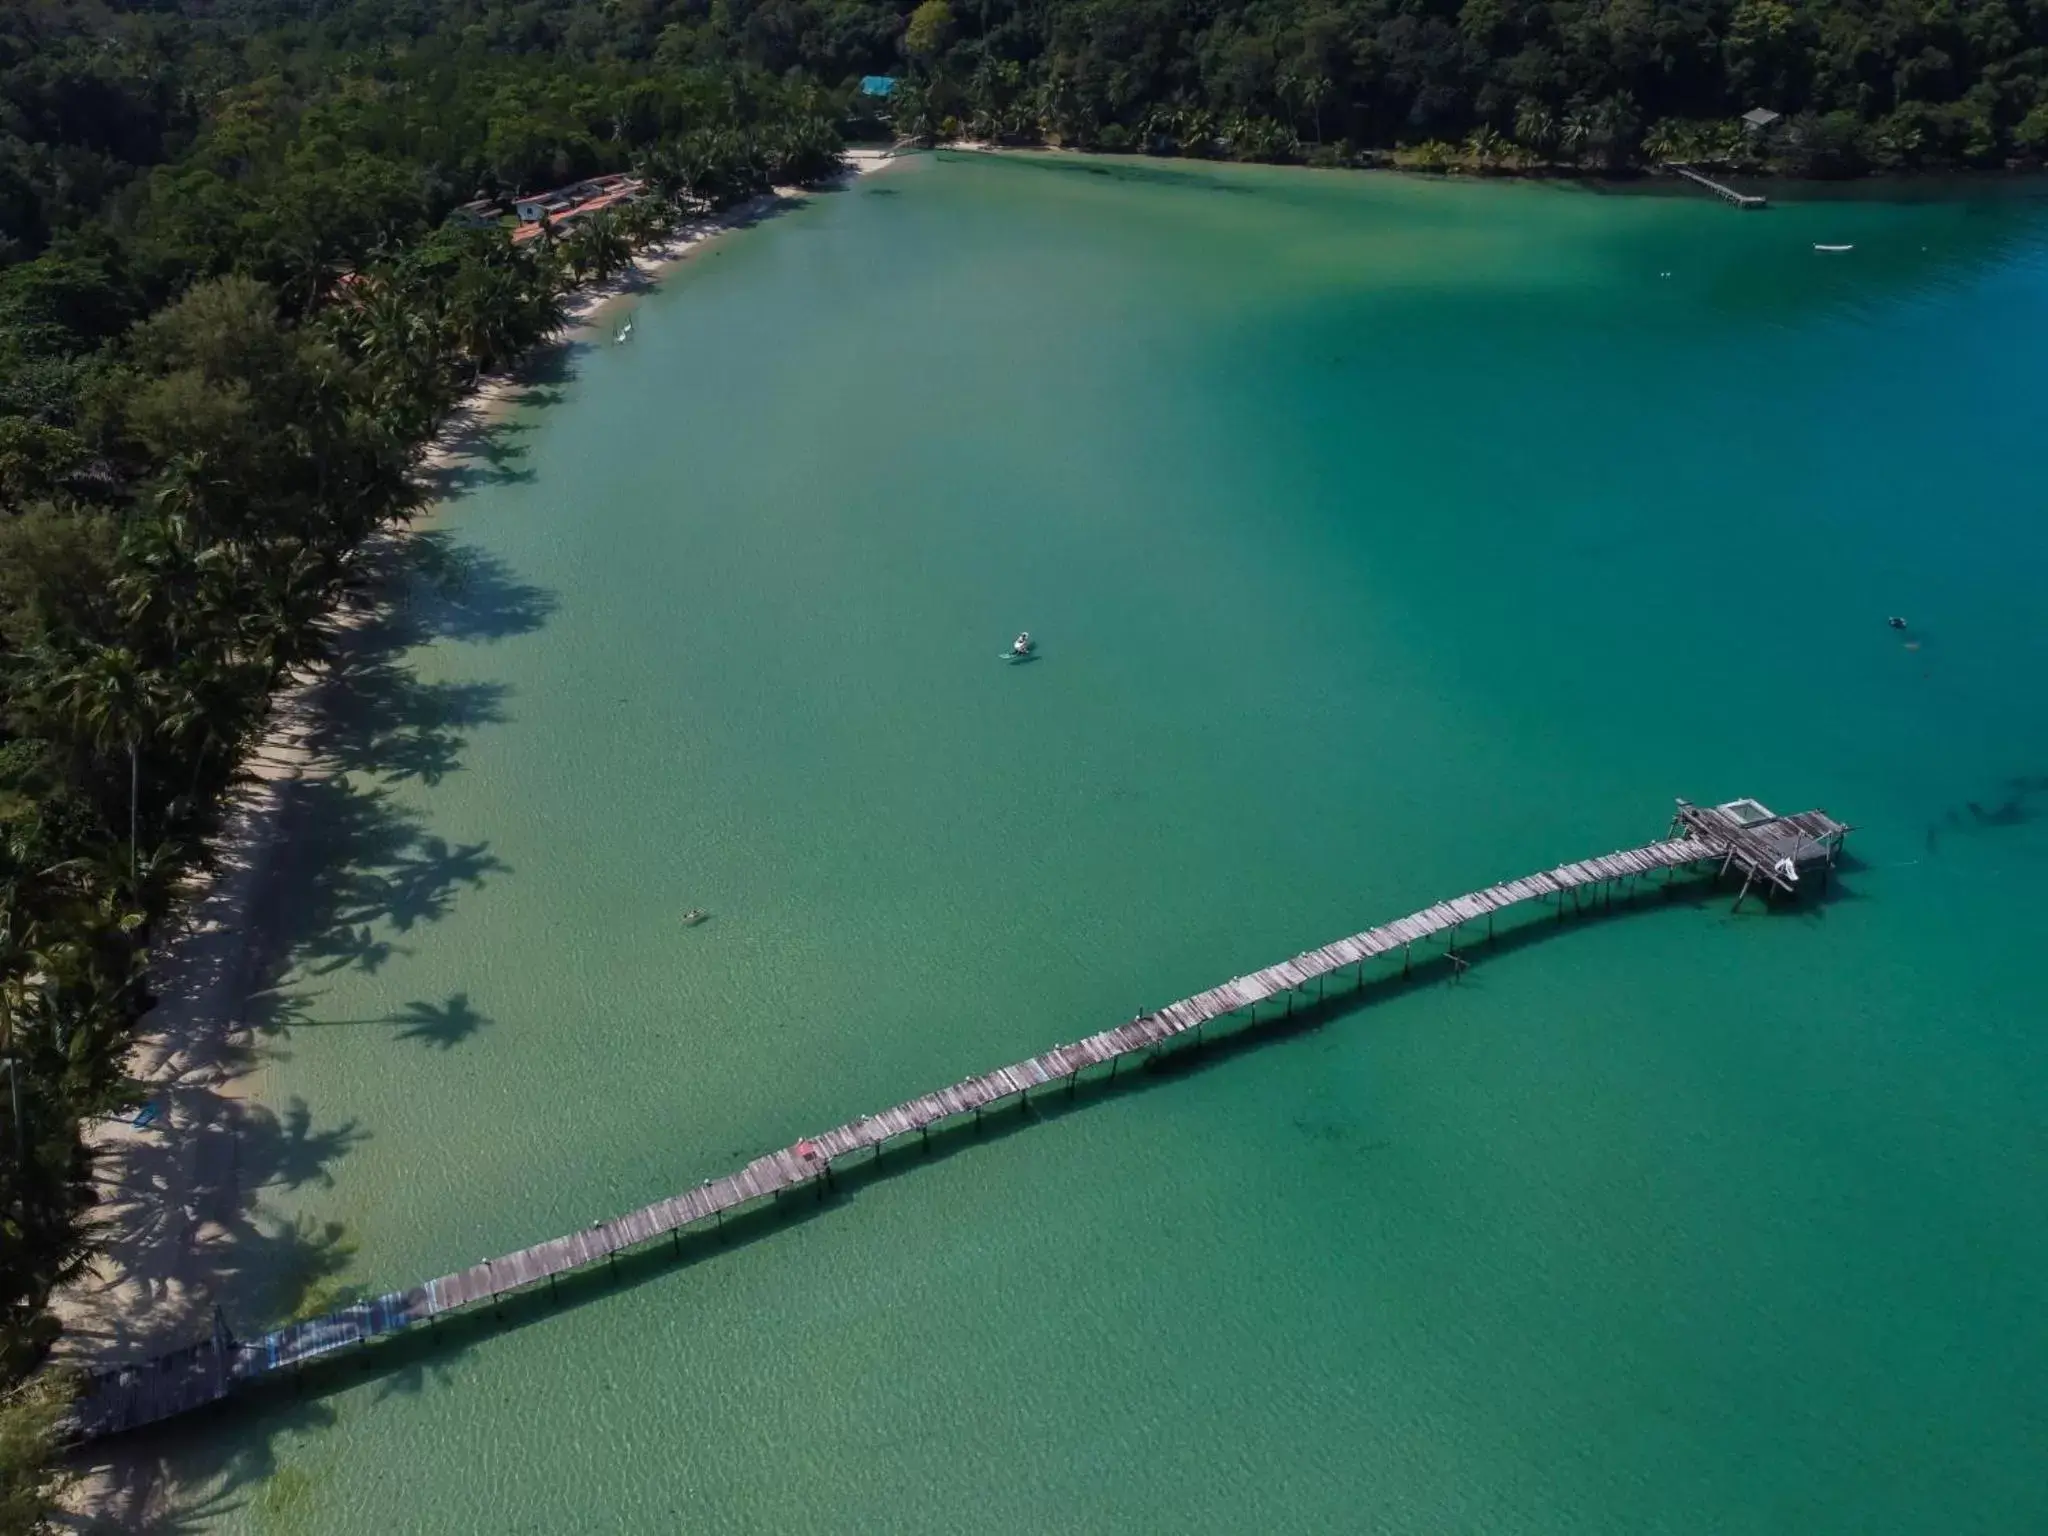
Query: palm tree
[157, 583]
[192, 491]
[1432, 155]
[1899, 142]
[1483, 146]
[1614, 127]
[662, 172]
[1535, 127]
[1573, 136]
[113, 698]
[984, 100]
[305, 270]
[1668, 141]
[123, 898]
[546, 234]
[287, 602]
[721, 166]
[598, 247]
[1060, 113]
[204, 711]
[389, 327]
[23, 971]
[646, 219]
[1020, 122]
[482, 317]
[1156, 130]
[911, 111]
[1315, 90]
[1305, 93]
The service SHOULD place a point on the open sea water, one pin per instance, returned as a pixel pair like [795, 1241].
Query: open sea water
[1384, 538]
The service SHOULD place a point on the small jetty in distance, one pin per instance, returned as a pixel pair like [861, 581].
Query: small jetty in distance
[1719, 189]
[1771, 852]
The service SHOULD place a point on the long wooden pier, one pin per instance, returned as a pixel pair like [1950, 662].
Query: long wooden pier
[1767, 848]
[1725, 193]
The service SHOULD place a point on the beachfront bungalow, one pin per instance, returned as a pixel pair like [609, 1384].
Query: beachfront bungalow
[568, 204]
[575, 198]
[542, 205]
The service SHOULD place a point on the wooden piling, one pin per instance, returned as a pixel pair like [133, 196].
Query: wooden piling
[1734, 834]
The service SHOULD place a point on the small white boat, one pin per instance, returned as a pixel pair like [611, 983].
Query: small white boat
[625, 331]
[1834, 247]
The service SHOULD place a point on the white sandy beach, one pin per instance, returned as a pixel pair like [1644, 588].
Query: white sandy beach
[181, 1229]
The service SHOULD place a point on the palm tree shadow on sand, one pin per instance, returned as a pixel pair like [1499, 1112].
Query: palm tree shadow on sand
[439, 1025]
[354, 868]
[334, 878]
[481, 446]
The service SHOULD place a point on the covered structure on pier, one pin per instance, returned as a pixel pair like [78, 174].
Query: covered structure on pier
[1765, 846]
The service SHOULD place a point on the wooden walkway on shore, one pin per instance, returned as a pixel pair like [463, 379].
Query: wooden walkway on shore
[1726, 193]
[127, 1397]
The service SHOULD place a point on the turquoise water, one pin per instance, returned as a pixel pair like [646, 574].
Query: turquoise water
[1384, 538]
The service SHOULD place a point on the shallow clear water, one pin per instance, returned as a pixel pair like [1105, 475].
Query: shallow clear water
[1384, 539]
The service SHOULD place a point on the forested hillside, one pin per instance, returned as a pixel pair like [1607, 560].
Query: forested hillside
[384, 111]
[233, 309]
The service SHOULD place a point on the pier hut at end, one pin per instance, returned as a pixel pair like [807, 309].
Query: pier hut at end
[1771, 850]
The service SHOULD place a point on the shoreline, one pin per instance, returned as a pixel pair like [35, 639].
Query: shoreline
[495, 394]
[1931, 185]
[176, 1215]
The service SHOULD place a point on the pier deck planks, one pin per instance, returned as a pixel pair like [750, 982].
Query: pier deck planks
[128, 1397]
